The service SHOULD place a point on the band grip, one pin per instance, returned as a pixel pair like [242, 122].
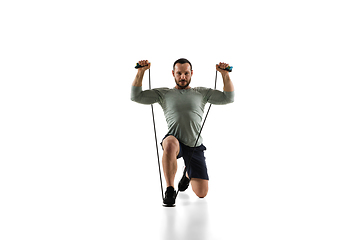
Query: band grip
[139, 66]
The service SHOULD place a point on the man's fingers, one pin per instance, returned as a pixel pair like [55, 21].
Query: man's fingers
[221, 67]
[143, 62]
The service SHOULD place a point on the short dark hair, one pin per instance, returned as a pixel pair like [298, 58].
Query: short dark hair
[182, 61]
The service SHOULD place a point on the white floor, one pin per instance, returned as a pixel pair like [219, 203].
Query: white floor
[251, 214]
[189, 220]
[192, 218]
[66, 209]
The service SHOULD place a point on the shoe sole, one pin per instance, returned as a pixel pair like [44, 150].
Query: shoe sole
[183, 190]
[169, 205]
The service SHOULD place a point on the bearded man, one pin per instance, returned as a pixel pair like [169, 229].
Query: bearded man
[183, 108]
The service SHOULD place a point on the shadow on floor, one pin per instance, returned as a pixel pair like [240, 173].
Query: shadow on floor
[188, 220]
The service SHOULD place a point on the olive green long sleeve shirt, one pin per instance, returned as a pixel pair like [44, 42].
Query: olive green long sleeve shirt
[183, 109]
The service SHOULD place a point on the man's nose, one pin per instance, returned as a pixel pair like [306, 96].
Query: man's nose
[182, 76]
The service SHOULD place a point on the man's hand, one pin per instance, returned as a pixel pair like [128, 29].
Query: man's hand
[146, 65]
[221, 67]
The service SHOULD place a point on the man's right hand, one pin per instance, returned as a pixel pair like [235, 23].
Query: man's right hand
[144, 63]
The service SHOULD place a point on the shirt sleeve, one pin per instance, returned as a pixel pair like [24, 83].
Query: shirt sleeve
[147, 96]
[218, 97]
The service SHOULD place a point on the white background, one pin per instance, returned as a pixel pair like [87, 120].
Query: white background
[77, 157]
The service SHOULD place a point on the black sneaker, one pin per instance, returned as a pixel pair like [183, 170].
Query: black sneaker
[170, 196]
[184, 183]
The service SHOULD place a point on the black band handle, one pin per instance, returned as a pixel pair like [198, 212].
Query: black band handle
[139, 66]
[229, 69]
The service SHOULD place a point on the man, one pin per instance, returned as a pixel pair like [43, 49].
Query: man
[183, 107]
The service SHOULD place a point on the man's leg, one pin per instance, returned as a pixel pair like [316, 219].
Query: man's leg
[200, 187]
[196, 167]
[171, 148]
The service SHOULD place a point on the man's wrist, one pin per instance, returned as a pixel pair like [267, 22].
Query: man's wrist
[225, 76]
[225, 73]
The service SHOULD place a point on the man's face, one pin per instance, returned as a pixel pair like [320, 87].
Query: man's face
[182, 75]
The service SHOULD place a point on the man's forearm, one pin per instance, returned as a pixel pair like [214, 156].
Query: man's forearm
[139, 78]
[228, 85]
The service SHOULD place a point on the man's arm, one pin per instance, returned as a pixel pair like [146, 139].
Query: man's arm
[228, 85]
[218, 97]
[147, 96]
[140, 74]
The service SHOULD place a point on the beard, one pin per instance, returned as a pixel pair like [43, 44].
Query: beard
[179, 84]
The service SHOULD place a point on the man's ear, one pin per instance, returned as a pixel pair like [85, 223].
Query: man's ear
[192, 71]
[174, 73]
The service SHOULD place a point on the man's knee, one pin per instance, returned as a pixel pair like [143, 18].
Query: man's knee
[171, 145]
[200, 187]
[201, 193]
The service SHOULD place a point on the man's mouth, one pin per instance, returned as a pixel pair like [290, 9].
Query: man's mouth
[182, 83]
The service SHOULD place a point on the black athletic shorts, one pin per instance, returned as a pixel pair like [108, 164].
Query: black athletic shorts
[197, 167]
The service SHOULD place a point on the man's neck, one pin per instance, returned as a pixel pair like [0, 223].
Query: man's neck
[179, 88]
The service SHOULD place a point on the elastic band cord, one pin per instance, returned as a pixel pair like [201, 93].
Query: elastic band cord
[157, 149]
